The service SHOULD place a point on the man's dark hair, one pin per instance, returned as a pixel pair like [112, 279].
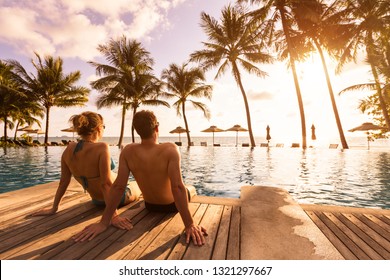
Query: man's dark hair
[145, 122]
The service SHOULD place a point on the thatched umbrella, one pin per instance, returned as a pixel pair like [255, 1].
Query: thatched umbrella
[178, 130]
[237, 128]
[213, 129]
[268, 137]
[313, 132]
[367, 127]
[69, 129]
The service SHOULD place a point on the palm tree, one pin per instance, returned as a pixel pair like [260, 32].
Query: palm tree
[184, 84]
[127, 79]
[314, 18]
[281, 12]
[370, 20]
[50, 86]
[10, 96]
[232, 42]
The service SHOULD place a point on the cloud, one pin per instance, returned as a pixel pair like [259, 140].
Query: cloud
[75, 28]
[264, 95]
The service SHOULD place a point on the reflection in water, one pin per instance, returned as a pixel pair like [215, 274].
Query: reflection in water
[350, 177]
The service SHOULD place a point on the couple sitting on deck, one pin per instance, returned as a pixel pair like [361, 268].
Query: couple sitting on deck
[155, 167]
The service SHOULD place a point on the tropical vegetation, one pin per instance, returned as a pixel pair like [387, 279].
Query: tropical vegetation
[244, 37]
[127, 80]
[50, 86]
[233, 42]
[183, 84]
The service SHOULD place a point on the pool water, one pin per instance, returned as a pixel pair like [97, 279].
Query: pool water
[355, 177]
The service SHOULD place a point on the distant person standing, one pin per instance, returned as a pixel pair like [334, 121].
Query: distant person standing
[156, 169]
[90, 163]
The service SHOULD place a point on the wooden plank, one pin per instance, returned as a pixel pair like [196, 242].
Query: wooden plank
[377, 228]
[340, 246]
[122, 246]
[233, 252]
[22, 197]
[16, 215]
[372, 233]
[221, 241]
[384, 219]
[161, 246]
[67, 237]
[101, 249]
[27, 222]
[379, 222]
[343, 237]
[364, 236]
[210, 221]
[181, 246]
[51, 226]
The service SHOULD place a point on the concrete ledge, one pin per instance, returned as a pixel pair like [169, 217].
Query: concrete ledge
[274, 226]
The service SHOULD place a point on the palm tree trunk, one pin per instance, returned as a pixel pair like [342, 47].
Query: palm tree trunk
[122, 125]
[183, 107]
[47, 125]
[248, 115]
[334, 106]
[294, 71]
[132, 126]
[5, 128]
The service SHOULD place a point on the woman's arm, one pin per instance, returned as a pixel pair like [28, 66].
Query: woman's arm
[62, 187]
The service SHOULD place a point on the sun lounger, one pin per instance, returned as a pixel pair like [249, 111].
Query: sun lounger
[245, 144]
[279, 145]
[204, 144]
[333, 146]
[295, 145]
[178, 143]
[217, 145]
[264, 145]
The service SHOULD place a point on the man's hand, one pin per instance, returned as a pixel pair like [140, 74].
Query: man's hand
[122, 223]
[197, 234]
[45, 212]
[89, 232]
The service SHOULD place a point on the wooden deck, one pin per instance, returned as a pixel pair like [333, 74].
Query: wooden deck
[355, 233]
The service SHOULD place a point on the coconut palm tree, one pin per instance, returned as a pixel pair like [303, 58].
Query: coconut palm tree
[127, 79]
[184, 83]
[10, 96]
[314, 18]
[370, 20]
[51, 86]
[280, 12]
[233, 42]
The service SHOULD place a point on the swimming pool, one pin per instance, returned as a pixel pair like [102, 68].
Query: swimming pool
[355, 177]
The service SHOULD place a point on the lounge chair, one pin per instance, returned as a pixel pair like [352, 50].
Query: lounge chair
[264, 145]
[217, 145]
[245, 144]
[36, 142]
[279, 145]
[191, 143]
[295, 145]
[333, 146]
[204, 144]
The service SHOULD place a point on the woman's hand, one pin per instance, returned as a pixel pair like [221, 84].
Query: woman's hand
[45, 212]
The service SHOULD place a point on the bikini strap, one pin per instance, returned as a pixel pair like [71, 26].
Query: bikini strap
[79, 146]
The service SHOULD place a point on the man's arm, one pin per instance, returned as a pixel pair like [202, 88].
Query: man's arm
[194, 232]
[112, 202]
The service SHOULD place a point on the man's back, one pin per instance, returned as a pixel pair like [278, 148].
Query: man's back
[149, 163]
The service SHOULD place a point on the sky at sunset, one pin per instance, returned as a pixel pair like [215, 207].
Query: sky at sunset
[170, 31]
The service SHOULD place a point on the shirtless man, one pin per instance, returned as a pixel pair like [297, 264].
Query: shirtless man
[156, 169]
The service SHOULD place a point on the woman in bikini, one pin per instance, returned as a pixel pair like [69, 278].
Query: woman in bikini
[90, 163]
